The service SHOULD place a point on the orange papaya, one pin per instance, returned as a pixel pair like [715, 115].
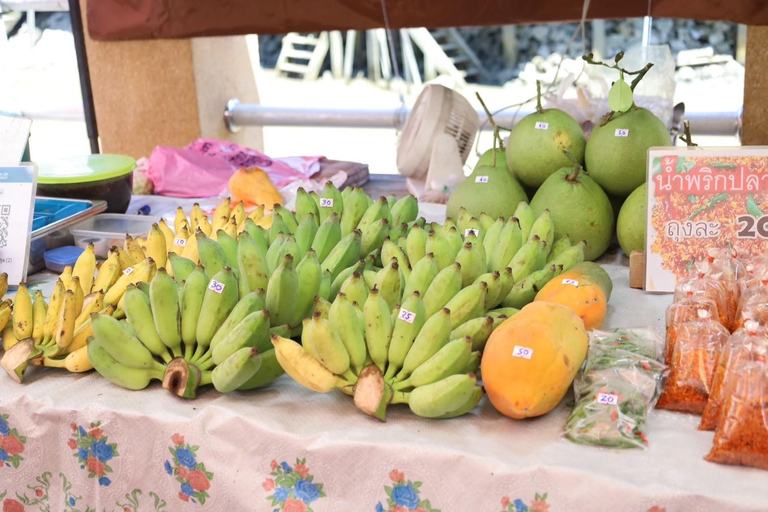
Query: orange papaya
[586, 289]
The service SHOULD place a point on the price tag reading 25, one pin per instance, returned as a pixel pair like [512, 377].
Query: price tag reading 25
[216, 286]
[524, 352]
[406, 316]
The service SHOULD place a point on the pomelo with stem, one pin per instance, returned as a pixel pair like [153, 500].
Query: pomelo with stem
[630, 228]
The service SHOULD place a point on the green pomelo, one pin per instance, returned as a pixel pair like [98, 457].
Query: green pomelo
[615, 159]
[579, 209]
[630, 227]
[496, 197]
[596, 273]
[534, 154]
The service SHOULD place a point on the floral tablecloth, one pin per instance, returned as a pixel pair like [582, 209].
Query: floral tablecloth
[78, 443]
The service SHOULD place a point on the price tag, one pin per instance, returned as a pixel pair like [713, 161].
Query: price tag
[180, 242]
[541, 126]
[406, 316]
[471, 231]
[128, 271]
[622, 132]
[326, 202]
[481, 179]
[523, 352]
[17, 199]
[607, 398]
[571, 282]
[216, 286]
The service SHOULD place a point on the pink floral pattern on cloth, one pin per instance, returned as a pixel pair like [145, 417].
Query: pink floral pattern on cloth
[292, 488]
[11, 444]
[194, 479]
[93, 451]
[539, 504]
[404, 496]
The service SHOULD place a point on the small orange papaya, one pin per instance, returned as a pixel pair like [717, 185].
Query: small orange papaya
[586, 289]
[252, 187]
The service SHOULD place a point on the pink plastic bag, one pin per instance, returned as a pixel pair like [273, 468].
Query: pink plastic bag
[203, 168]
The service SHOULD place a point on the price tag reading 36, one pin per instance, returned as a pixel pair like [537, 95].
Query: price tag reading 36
[216, 286]
[326, 202]
[524, 352]
[607, 398]
[406, 316]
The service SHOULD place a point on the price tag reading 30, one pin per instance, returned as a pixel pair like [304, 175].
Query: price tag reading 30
[216, 286]
[523, 352]
[326, 202]
[470, 231]
[621, 132]
[481, 179]
[406, 316]
[541, 126]
[607, 398]
[180, 242]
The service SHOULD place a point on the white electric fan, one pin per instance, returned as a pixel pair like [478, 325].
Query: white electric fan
[436, 140]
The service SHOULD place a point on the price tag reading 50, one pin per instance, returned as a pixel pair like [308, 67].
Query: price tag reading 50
[216, 286]
[407, 316]
[326, 202]
[523, 352]
[607, 398]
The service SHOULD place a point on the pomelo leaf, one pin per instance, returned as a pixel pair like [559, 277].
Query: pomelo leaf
[620, 96]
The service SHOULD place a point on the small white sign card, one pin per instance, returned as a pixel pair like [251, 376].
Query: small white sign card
[17, 199]
[14, 132]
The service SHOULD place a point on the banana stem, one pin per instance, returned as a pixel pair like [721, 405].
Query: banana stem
[189, 351]
[206, 364]
[349, 376]
[206, 378]
[166, 357]
[391, 372]
[53, 363]
[400, 397]
[198, 354]
[399, 386]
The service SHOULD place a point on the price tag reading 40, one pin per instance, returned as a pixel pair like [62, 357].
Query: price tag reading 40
[607, 398]
[216, 286]
[524, 352]
[481, 179]
[541, 126]
[326, 202]
[406, 316]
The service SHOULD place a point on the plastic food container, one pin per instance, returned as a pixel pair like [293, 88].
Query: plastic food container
[107, 177]
[57, 259]
[108, 229]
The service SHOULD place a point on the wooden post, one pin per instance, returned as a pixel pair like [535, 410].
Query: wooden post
[755, 117]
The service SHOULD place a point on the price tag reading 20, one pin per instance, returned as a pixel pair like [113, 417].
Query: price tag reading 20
[216, 286]
[326, 202]
[524, 352]
[607, 398]
[406, 316]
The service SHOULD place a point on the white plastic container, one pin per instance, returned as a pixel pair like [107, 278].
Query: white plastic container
[108, 229]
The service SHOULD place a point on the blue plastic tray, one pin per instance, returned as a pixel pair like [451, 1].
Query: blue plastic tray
[48, 211]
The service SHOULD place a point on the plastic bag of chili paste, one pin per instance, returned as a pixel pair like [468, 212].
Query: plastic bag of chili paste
[693, 364]
[681, 312]
[749, 344]
[741, 437]
[702, 285]
[725, 275]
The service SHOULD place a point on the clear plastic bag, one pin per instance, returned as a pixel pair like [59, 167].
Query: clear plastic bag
[703, 285]
[681, 312]
[741, 437]
[692, 367]
[724, 273]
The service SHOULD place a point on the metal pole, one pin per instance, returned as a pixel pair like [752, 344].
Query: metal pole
[85, 75]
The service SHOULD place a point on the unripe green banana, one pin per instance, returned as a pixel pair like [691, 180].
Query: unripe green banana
[486, 221]
[211, 254]
[421, 222]
[396, 232]
[526, 216]
[316, 198]
[325, 344]
[544, 228]
[474, 363]
[442, 397]
[355, 289]
[305, 205]
[391, 250]
[283, 292]
[441, 248]
[164, 298]
[525, 259]
[474, 227]
[462, 219]
[229, 246]
[570, 257]
[330, 202]
[281, 330]
[327, 237]
[251, 303]
[390, 282]
[541, 256]
[258, 234]
[416, 244]
[251, 332]
[472, 263]
[503, 313]
[119, 339]
[325, 285]
[252, 263]
[373, 237]
[272, 252]
[525, 291]
[119, 374]
[445, 285]
[560, 245]
[343, 276]
[355, 205]
[467, 304]
[435, 333]
[310, 276]
[191, 305]
[236, 369]
[405, 210]
[287, 217]
[477, 243]
[320, 305]
[493, 280]
[449, 360]
[269, 371]
[378, 328]
[509, 243]
[491, 239]
[471, 403]
[289, 246]
[344, 255]
[138, 311]
[454, 239]
[375, 212]
[369, 276]
[181, 266]
[305, 232]
[478, 329]
[422, 275]
[407, 325]
[344, 319]
[218, 301]
[278, 226]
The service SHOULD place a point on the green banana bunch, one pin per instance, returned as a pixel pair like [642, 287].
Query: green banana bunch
[283, 291]
[236, 369]
[219, 299]
[345, 319]
[269, 370]
[410, 319]
[450, 359]
[445, 397]
[164, 299]
[191, 305]
[138, 312]
[122, 375]
[445, 285]
[305, 205]
[327, 237]
[330, 202]
[526, 217]
[508, 244]
[309, 275]
[416, 244]
[355, 205]
[344, 255]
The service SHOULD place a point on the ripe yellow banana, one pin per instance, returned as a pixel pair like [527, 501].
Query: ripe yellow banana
[75, 287]
[52, 315]
[180, 220]
[109, 273]
[132, 247]
[22, 313]
[190, 249]
[65, 327]
[9, 338]
[75, 362]
[38, 316]
[3, 284]
[5, 314]
[85, 266]
[66, 276]
[179, 243]
[305, 369]
[167, 233]
[80, 338]
[156, 247]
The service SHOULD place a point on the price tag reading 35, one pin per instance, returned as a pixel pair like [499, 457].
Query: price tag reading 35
[326, 202]
[216, 286]
[524, 352]
[406, 316]
[481, 179]
[607, 398]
